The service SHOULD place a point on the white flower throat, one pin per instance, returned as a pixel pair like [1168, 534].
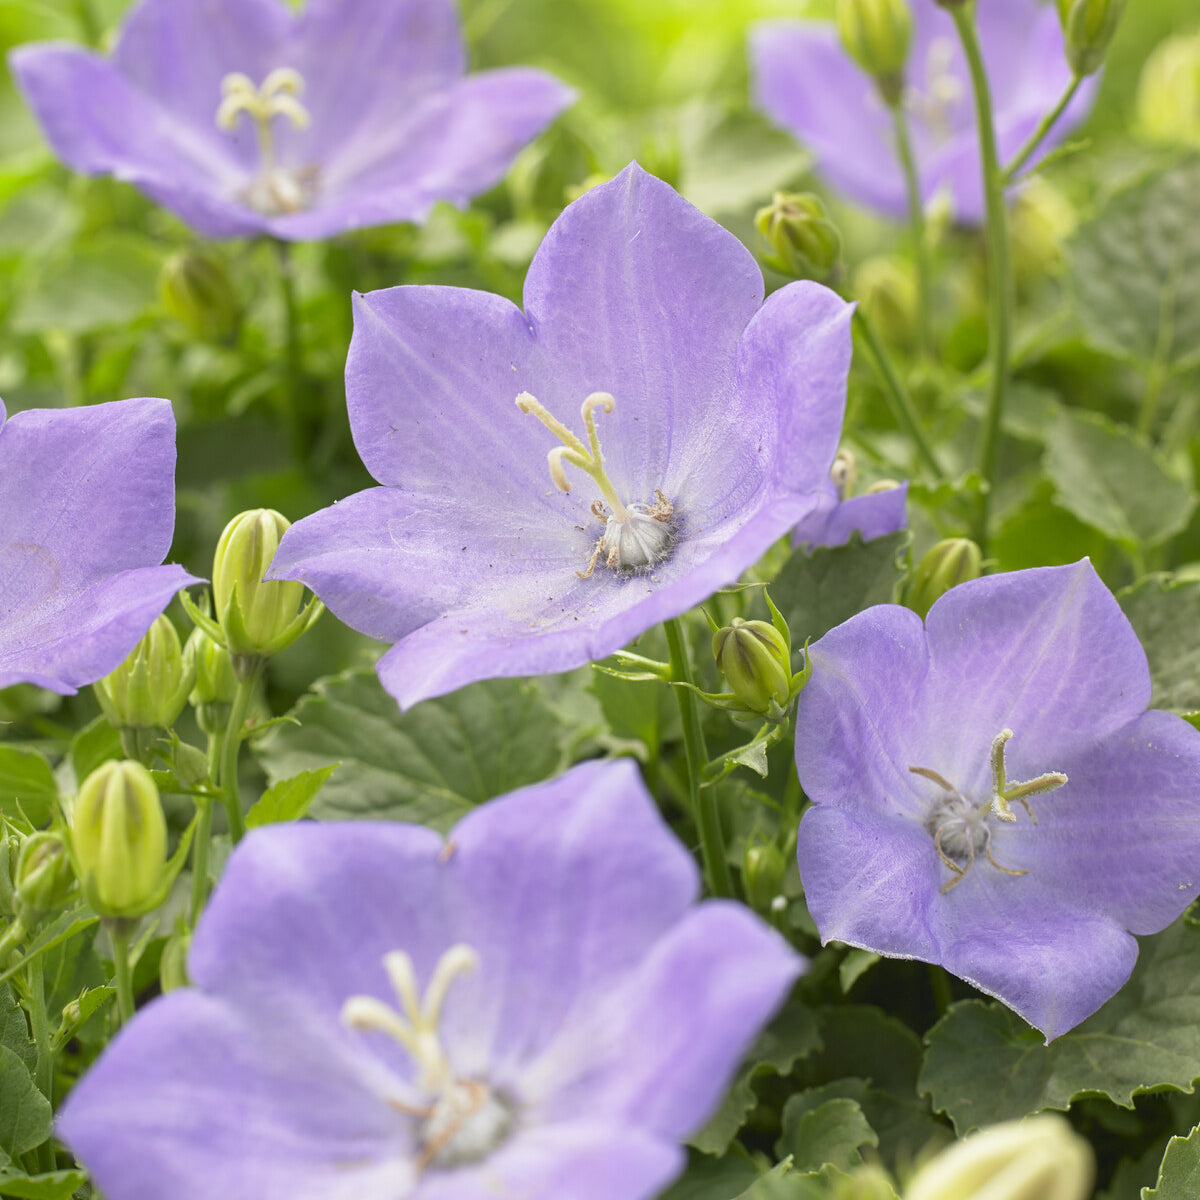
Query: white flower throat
[638, 536]
[960, 828]
[466, 1119]
[275, 190]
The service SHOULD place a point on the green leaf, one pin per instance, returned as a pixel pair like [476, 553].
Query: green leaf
[1179, 1175]
[94, 744]
[14, 1030]
[792, 1035]
[1113, 482]
[429, 765]
[53, 1185]
[817, 591]
[289, 799]
[819, 1131]
[1136, 269]
[90, 1001]
[64, 927]
[1165, 614]
[709, 1178]
[985, 1064]
[26, 785]
[24, 1112]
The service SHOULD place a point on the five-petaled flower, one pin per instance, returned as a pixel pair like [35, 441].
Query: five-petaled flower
[87, 510]
[990, 793]
[708, 428]
[245, 118]
[533, 1008]
[807, 83]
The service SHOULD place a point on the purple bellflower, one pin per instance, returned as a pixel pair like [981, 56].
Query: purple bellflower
[87, 508]
[990, 793]
[533, 1008]
[807, 83]
[502, 543]
[245, 118]
[841, 514]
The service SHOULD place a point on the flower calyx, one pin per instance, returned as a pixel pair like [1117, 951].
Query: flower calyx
[877, 35]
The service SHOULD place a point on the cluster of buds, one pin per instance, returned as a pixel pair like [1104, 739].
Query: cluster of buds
[877, 35]
[802, 242]
[944, 566]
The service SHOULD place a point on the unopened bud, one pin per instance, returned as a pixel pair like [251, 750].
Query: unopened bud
[802, 241]
[148, 690]
[196, 288]
[753, 657]
[886, 287]
[877, 34]
[762, 874]
[172, 967]
[258, 617]
[945, 565]
[1041, 220]
[119, 836]
[1033, 1159]
[215, 683]
[43, 876]
[1088, 28]
[1168, 98]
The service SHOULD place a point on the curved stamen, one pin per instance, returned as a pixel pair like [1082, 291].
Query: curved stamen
[275, 97]
[1003, 792]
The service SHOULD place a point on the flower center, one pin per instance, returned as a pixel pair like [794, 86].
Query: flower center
[960, 828]
[936, 102]
[637, 537]
[466, 1119]
[275, 189]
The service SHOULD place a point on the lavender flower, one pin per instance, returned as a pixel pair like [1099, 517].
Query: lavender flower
[841, 514]
[990, 793]
[87, 506]
[244, 118]
[533, 1008]
[719, 421]
[806, 82]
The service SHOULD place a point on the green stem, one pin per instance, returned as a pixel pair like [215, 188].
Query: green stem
[204, 805]
[897, 395]
[10, 939]
[1000, 287]
[1036, 138]
[89, 21]
[703, 800]
[916, 223]
[44, 1070]
[231, 744]
[943, 997]
[293, 409]
[124, 977]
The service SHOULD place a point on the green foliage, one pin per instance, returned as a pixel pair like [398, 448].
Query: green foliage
[1165, 614]
[289, 799]
[27, 785]
[51, 1185]
[24, 1112]
[817, 1131]
[1179, 1176]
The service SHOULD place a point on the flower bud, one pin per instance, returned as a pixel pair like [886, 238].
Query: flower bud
[119, 837]
[43, 876]
[215, 683]
[258, 617]
[1041, 220]
[886, 287]
[877, 34]
[1088, 28]
[763, 869]
[148, 690]
[196, 288]
[803, 242]
[1168, 98]
[945, 565]
[172, 967]
[1020, 1160]
[753, 657]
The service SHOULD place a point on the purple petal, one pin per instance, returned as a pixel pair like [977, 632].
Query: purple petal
[871, 515]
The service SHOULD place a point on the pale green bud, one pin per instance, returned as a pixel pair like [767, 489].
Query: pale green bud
[1088, 28]
[886, 288]
[215, 683]
[172, 967]
[945, 565]
[753, 657]
[877, 35]
[148, 690]
[1168, 98]
[43, 876]
[1034, 1159]
[1041, 219]
[763, 869]
[257, 617]
[196, 288]
[802, 241]
[119, 838]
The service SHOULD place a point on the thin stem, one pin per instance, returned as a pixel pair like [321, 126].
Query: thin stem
[916, 224]
[1000, 288]
[203, 838]
[292, 409]
[231, 743]
[1036, 138]
[897, 395]
[703, 800]
[124, 977]
[943, 997]
[44, 1070]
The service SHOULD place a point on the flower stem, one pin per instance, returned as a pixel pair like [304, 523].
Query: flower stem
[44, 1069]
[939, 981]
[231, 744]
[292, 410]
[916, 224]
[124, 977]
[899, 400]
[1000, 289]
[1036, 138]
[704, 800]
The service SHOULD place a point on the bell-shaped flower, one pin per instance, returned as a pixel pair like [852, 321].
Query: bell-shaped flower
[840, 514]
[806, 82]
[990, 793]
[558, 480]
[87, 509]
[244, 117]
[533, 1008]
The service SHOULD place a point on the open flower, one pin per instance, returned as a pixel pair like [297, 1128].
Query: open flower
[840, 514]
[710, 422]
[990, 793]
[87, 510]
[806, 82]
[533, 1008]
[245, 118]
